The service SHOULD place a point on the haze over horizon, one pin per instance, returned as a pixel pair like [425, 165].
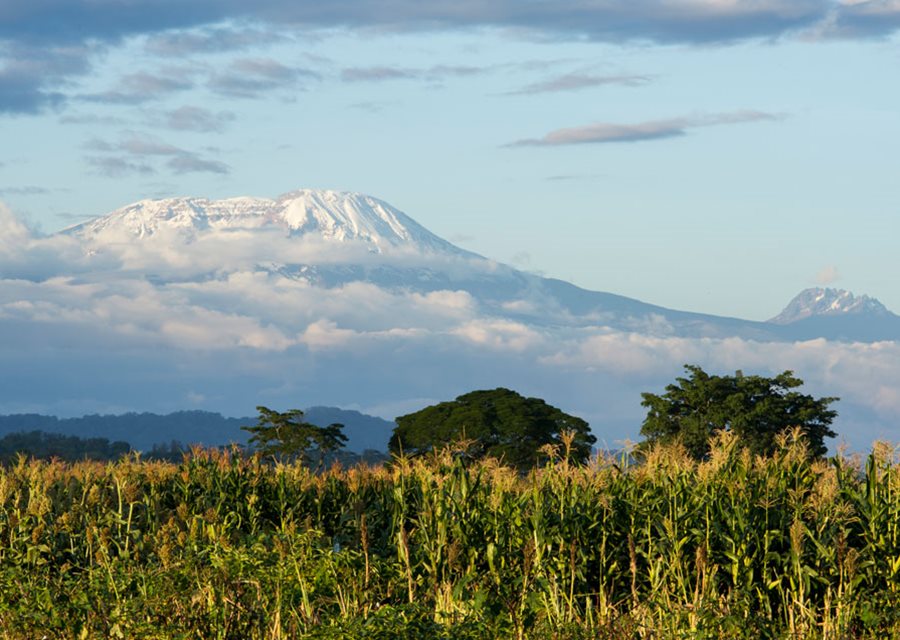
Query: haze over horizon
[710, 156]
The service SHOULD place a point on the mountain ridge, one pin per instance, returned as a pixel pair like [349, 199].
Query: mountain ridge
[819, 301]
[349, 219]
[144, 430]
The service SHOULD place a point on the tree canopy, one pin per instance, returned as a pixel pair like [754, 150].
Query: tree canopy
[42, 445]
[499, 422]
[287, 436]
[755, 408]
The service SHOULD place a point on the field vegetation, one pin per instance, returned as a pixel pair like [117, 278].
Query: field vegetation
[223, 545]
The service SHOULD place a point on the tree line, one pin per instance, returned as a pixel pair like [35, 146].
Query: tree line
[520, 431]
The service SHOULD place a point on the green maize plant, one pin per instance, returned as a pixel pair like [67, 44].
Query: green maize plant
[224, 545]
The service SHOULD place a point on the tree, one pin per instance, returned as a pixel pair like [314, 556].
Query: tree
[285, 436]
[755, 408]
[500, 423]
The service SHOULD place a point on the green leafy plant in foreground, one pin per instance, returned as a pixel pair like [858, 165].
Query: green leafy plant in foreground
[228, 546]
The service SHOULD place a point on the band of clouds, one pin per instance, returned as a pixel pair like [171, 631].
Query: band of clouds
[252, 77]
[45, 43]
[608, 20]
[189, 118]
[141, 87]
[607, 132]
[244, 77]
[577, 81]
[435, 73]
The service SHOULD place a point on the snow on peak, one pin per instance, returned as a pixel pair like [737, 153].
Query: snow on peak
[334, 215]
[827, 302]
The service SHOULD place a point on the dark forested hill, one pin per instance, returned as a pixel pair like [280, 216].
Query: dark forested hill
[143, 430]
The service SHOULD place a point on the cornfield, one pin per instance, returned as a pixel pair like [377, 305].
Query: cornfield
[228, 546]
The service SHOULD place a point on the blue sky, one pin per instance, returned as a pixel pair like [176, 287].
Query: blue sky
[712, 155]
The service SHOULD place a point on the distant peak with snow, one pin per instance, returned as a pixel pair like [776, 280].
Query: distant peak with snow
[334, 215]
[817, 302]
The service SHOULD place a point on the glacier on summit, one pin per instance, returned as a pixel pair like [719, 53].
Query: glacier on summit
[332, 215]
[828, 302]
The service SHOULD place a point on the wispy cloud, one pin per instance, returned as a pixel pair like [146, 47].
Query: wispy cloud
[133, 154]
[605, 132]
[29, 190]
[190, 163]
[212, 40]
[92, 119]
[377, 74]
[117, 166]
[572, 177]
[576, 81]
[370, 106]
[136, 88]
[188, 118]
[258, 77]
[381, 73]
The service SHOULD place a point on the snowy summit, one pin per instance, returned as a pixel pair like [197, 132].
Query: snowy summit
[827, 302]
[334, 215]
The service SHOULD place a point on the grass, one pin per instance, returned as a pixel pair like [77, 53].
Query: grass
[224, 546]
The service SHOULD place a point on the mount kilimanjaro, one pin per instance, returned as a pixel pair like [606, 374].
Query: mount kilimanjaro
[369, 241]
[339, 299]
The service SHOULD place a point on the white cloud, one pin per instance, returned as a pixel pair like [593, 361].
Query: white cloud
[828, 275]
[499, 335]
[324, 334]
[12, 230]
[608, 132]
[866, 374]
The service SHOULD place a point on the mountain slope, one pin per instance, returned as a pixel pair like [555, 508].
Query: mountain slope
[369, 241]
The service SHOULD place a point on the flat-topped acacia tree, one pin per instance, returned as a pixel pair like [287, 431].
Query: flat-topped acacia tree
[286, 436]
[499, 423]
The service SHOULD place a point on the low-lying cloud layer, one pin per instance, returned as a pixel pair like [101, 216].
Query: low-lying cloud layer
[157, 325]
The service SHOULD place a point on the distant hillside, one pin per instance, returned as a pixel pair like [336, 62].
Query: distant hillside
[363, 431]
[143, 430]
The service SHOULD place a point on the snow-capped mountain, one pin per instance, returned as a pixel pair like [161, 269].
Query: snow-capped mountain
[828, 302]
[371, 242]
[332, 215]
[320, 297]
[836, 314]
